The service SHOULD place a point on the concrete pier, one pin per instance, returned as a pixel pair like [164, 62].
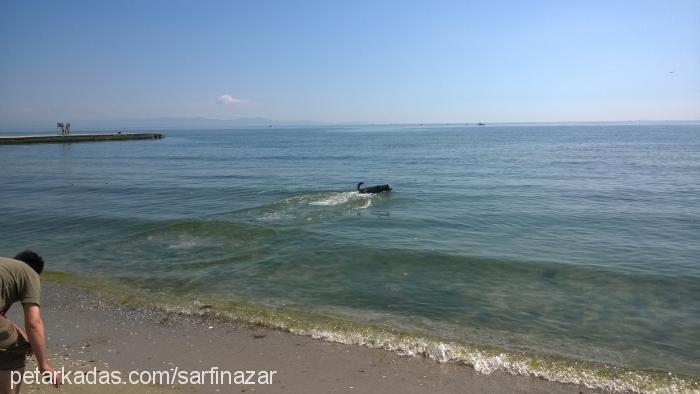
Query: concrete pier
[42, 139]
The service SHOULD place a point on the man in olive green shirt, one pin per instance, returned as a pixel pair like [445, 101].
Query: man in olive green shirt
[19, 281]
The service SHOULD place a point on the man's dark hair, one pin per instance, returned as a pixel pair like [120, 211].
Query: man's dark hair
[32, 259]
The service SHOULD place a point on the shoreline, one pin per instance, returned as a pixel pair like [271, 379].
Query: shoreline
[84, 330]
[483, 359]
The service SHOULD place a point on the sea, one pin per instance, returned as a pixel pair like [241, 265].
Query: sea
[569, 252]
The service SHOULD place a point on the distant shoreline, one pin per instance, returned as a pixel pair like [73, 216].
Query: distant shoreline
[110, 125]
[47, 139]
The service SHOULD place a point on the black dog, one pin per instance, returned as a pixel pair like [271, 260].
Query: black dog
[372, 189]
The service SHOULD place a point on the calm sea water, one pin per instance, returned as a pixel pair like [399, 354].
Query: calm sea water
[575, 241]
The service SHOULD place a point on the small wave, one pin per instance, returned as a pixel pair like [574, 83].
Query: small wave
[364, 200]
[274, 216]
[484, 359]
[180, 242]
[309, 207]
[184, 244]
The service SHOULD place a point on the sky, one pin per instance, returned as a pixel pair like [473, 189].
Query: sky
[351, 61]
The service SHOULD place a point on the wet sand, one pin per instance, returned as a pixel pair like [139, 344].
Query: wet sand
[85, 332]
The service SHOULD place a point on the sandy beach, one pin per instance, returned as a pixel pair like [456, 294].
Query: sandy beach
[86, 333]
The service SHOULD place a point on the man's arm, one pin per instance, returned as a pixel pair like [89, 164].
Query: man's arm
[35, 332]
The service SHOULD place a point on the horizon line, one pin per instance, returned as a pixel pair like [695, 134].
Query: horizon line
[264, 120]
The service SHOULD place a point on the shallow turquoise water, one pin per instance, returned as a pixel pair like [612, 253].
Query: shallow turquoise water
[578, 241]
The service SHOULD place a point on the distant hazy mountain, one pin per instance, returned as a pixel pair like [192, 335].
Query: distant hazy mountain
[149, 124]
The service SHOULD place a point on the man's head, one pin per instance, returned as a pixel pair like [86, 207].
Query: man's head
[32, 259]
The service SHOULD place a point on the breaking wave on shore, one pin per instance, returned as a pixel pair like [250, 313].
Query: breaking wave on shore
[484, 359]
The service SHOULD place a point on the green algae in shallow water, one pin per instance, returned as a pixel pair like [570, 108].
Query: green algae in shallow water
[484, 359]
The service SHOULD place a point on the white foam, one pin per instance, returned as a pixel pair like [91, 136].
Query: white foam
[485, 361]
[341, 198]
[179, 242]
[184, 244]
[275, 216]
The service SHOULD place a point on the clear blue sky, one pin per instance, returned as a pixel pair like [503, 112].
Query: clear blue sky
[345, 61]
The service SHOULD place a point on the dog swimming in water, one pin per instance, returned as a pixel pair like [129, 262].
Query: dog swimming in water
[372, 189]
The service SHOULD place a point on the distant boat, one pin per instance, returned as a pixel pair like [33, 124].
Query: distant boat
[481, 124]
